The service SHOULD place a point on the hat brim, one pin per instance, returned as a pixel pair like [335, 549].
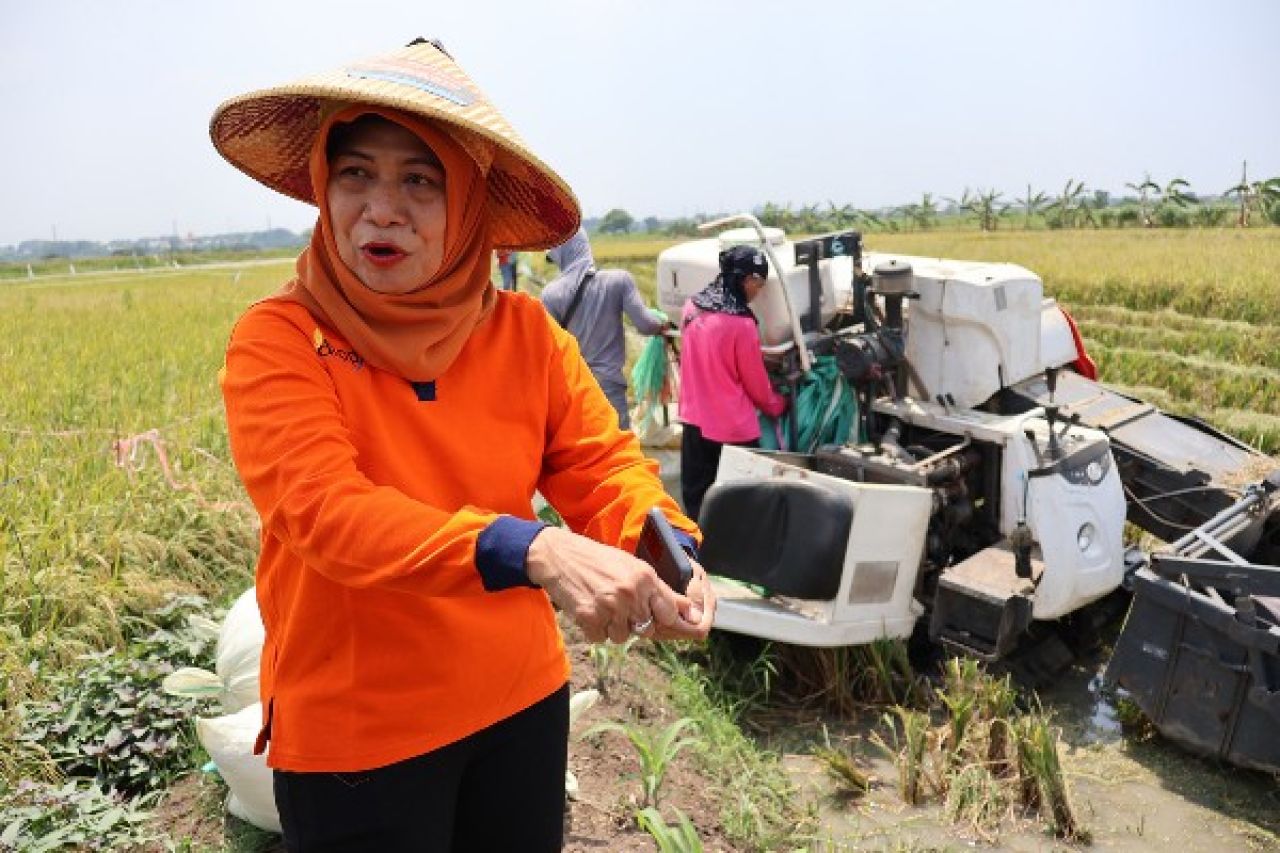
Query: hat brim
[269, 134]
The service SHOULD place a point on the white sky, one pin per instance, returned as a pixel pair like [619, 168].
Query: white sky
[659, 107]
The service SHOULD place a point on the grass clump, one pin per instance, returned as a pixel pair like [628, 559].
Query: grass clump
[982, 756]
[757, 812]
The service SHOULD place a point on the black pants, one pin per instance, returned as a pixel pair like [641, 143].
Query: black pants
[699, 459]
[500, 789]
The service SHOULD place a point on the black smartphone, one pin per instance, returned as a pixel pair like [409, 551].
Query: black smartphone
[659, 548]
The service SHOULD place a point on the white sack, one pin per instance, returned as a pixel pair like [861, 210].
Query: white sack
[239, 652]
[229, 742]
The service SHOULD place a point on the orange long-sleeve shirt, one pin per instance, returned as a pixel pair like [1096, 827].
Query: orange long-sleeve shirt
[395, 522]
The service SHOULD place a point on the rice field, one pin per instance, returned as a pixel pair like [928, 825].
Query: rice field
[116, 486]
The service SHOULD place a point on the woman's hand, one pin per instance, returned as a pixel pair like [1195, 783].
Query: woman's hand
[613, 595]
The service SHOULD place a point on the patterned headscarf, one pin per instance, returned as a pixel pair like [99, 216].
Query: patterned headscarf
[726, 294]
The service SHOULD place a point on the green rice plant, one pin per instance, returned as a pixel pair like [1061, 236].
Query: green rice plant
[983, 757]
[978, 799]
[849, 778]
[682, 837]
[656, 748]
[961, 710]
[909, 748]
[888, 676]
[116, 487]
[1136, 724]
[844, 679]
[1043, 785]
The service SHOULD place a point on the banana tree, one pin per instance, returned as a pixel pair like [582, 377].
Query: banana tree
[1032, 203]
[985, 205]
[847, 216]
[1242, 190]
[922, 215]
[1267, 194]
[1065, 208]
[1259, 196]
[1144, 203]
[1177, 193]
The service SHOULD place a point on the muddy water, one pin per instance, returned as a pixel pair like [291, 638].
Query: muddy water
[1130, 794]
[1137, 792]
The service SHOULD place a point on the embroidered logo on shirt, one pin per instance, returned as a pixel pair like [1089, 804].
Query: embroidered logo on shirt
[324, 349]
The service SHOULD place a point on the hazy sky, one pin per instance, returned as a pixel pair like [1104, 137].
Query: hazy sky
[662, 108]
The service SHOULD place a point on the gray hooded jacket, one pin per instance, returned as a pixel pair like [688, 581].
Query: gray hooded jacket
[597, 323]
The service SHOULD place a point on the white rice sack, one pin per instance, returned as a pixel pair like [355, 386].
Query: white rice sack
[229, 742]
[240, 652]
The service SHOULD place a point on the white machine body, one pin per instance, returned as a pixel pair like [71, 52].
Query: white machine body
[1075, 508]
[686, 268]
[976, 329]
[882, 561]
[969, 330]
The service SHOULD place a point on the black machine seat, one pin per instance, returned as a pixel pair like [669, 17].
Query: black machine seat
[788, 536]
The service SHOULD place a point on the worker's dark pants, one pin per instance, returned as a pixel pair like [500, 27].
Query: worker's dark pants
[699, 459]
[502, 788]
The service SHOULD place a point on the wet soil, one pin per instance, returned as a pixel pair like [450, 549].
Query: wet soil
[1130, 793]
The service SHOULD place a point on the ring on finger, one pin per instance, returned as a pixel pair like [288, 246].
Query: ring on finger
[639, 628]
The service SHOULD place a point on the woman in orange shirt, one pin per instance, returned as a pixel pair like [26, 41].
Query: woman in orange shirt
[391, 416]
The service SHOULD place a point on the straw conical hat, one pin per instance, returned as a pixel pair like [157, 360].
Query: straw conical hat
[268, 135]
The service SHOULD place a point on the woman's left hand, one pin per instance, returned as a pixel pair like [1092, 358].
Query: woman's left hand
[613, 595]
[700, 615]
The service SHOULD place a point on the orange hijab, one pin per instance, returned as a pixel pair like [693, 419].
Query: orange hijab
[415, 335]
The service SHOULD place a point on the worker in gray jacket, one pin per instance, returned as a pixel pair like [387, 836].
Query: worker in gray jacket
[590, 304]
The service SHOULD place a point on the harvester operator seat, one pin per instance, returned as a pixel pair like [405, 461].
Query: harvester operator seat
[788, 536]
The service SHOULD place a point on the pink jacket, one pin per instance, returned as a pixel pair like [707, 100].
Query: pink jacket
[722, 376]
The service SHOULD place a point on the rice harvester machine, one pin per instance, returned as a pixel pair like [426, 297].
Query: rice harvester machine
[982, 492]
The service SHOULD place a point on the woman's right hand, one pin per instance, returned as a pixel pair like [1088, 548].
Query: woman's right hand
[608, 592]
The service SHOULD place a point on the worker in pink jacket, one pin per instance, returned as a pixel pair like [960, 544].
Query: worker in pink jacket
[722, 376]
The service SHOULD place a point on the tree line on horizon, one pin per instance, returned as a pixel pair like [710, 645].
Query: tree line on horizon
[1152, 205]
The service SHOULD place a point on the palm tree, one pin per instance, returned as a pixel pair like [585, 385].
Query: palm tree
[1032, 204]
[1144, 206]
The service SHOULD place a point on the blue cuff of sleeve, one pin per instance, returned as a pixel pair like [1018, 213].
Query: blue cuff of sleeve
[687, 542]
[502, 549]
